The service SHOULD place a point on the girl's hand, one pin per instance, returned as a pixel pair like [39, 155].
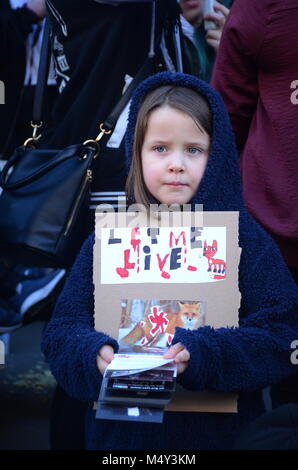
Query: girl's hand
[213, 36]
[180, 355]
[104, 357]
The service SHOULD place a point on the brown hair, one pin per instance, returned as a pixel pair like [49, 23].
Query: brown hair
[182, 98]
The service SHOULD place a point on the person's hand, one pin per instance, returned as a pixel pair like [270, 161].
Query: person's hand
[213, 36]
[104, 357]
[180, 355]
[38, 7]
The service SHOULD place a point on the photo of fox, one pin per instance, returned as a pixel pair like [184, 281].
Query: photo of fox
[159, 323]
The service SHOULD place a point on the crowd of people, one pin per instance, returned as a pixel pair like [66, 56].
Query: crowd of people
[216, 105]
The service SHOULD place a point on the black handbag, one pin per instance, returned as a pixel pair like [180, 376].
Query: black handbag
[45, 197]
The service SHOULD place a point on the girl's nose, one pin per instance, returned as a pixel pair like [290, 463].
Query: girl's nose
[176, 163]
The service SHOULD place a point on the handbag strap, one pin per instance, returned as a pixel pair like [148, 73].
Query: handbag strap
[106, 127]
[143, 72]
[43, 73]
[146, 69]
[89, 150]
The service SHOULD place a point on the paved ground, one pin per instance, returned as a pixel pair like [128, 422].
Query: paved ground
[26, 389]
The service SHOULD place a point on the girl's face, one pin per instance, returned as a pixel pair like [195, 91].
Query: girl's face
[174, 156]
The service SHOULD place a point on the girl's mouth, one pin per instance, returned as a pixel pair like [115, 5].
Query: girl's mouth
[175, 183]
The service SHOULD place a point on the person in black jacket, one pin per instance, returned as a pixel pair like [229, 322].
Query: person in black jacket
[20, 32]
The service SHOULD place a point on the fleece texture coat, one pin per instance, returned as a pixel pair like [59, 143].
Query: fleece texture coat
[243, 359]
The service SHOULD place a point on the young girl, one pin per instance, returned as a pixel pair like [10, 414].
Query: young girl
[180, 149]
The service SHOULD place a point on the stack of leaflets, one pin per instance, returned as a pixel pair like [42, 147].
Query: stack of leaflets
[137, 387]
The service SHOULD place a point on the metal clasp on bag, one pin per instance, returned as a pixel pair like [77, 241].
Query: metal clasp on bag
[96, 141]
[33, 140]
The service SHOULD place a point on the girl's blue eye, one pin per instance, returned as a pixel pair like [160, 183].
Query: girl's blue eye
[194, 150]
[160, 148]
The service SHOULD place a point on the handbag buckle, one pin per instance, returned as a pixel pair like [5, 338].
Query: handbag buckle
[95, 142]
[103, 131]
[33, 140]
[91, 143]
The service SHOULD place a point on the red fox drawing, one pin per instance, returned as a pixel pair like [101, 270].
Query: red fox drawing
[214, 265]
[153, 325]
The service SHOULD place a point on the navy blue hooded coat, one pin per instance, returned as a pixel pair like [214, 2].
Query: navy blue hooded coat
[243, 359]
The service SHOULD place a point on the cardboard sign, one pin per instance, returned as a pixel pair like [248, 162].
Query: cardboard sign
[150, 278]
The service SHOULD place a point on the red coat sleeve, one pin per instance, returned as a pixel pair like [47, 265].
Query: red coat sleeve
[235, 73]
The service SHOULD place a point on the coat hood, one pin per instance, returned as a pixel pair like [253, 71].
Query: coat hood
[220, 188]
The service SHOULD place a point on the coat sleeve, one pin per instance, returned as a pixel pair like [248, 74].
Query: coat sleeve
[70, 343]
[235, 73]
[258, 352]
